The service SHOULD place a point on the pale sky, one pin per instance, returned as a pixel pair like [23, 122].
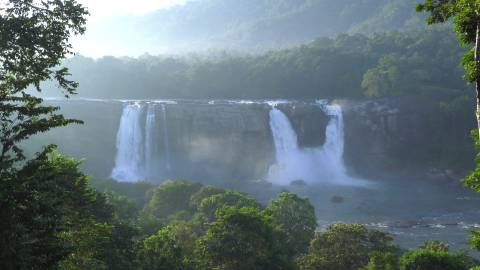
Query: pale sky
[107, 8]
[99, 41]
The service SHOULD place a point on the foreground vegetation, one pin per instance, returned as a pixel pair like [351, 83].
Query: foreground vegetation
[184, 225]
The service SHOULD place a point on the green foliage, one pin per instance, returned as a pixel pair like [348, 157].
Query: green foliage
[161, 252]
[171, 200]
[348, 66]
[241, 239]
[464, 14]
[417, 69]
[425, 259]
[52, 216]
[472, 180]
[475, 239]
[137, 191]
[296, 217]
[89, 241]
[345, 247]
[382, 261]
[206, 191]
[125, 209]
[210, 205]
[436, 246]
[44, 198]
[33, 40]
[47, 197]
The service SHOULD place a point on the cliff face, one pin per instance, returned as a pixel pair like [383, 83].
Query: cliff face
[389, 136]
[225, 141]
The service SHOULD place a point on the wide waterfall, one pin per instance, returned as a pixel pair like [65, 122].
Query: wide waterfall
[312, 165]
[143, 147]
[130, 146]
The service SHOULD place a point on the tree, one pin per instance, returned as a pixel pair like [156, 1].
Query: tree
[125, 209]
[210, 205]
[382, 261]
[203, 193]
[345, 247]
[435, 246]
[172, 200]
[161, 252]
[43, 199]
[296, 217]
[424, 259]
[34, 38]
[243, 239]
[466, 20]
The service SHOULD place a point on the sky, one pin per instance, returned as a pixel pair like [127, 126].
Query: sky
[107, 8]
[99, 40]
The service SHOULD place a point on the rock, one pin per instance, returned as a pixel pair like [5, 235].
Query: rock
[298, 183]
[337, 199]
[309, 121]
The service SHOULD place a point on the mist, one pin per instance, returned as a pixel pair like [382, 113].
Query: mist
[252, 134]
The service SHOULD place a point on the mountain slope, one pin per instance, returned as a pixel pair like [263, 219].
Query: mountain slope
[254, 24]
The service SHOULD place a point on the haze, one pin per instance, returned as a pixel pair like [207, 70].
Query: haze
[239, 134]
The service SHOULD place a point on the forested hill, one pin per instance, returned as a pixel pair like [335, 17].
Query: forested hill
[256, 24]
[349, 66]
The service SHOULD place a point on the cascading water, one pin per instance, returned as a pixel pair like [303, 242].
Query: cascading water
[166, 140]
[130, 152]
[138, 150]
[136, 154]
[312, 165]
[149, 140]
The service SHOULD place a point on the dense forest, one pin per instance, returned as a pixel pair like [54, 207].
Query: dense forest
[348, 66]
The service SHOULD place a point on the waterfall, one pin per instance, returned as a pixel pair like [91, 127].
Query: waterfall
[313, 165]
[130, 154]
[166, 141]
[149, 140]
[136, 155]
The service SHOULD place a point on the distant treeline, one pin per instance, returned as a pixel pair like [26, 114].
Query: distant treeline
[348, 66]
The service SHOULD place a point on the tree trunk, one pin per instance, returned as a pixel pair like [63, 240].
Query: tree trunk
[477, 75]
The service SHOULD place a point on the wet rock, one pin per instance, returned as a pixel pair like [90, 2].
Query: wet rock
[337, 199]
[309, 121]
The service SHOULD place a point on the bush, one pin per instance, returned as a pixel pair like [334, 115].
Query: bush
[425, 259]
[345, 247]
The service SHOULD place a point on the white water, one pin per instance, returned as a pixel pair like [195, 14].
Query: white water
[136, 155]
[166, 140]
[312, 165]
[149, 140]
[130, 152]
